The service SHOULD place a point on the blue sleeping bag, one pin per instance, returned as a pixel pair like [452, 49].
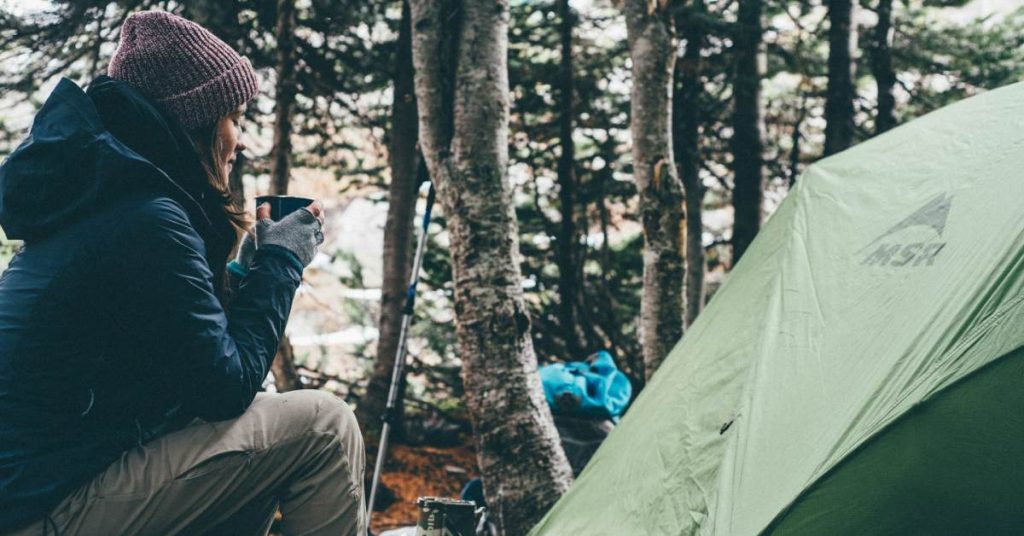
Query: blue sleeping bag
[591, 388]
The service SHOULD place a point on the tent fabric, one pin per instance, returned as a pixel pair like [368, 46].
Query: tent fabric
[891, 273]
[950, 467]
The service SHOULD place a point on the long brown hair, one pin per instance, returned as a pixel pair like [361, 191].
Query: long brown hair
[208, 145]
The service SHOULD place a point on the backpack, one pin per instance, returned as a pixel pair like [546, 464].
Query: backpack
[593, 388]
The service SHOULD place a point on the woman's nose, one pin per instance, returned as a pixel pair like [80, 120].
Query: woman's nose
[240, 146]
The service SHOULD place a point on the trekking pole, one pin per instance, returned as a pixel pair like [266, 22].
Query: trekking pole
[396, 371]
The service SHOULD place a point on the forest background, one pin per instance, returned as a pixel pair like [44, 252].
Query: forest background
[620, 244]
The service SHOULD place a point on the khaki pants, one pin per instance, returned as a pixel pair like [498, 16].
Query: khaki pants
[301, 451]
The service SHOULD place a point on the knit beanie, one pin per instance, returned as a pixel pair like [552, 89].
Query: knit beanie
[183, 67]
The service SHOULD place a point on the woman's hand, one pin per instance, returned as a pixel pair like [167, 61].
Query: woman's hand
[300, 232]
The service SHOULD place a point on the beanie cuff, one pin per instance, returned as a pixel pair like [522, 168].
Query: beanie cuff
[202, 105]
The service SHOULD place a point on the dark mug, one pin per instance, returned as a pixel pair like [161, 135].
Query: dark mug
[282, 205]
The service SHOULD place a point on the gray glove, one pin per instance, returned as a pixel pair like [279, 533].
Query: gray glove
[299, 232]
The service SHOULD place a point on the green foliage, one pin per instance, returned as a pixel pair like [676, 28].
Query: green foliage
[345, 56]
[343, 52]
[944, 62]
[793, 93]
[602, 169]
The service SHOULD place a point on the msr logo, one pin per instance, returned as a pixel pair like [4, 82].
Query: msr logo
[915, 241]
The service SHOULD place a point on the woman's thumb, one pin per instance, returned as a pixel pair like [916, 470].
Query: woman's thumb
[263, 211]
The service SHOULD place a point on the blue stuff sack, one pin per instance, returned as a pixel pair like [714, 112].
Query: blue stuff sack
[591, 388]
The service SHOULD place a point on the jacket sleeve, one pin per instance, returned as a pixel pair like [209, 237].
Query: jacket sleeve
[219, 359]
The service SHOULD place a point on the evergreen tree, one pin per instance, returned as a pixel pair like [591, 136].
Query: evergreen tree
[881, 68]
[569, 267]
[747, 147]
[839, 103]
[688, 89]
[605, 305]
[407, 170]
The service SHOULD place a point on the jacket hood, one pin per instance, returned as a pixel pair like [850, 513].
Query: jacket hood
[88, 149]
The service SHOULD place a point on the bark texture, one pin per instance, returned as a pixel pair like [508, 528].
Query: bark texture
[284, 97]
[399, 229]
[796, 136]
[881, 67]
[842, 39]
[687, 90]
[748, 129]
[650, 30]
[286, 377]
[464, 138]
[569, 268]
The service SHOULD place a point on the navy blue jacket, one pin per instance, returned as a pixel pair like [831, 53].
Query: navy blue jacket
[113, 328]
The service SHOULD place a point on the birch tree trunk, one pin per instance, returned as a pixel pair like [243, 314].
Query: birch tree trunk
[460, 57]
[649, 27]
[747, 140]
[569, 270]
[398, 229]
[286, 378]
[881, 67]
[842, 39]
[686, 140]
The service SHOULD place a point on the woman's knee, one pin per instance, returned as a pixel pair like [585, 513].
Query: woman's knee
[329, 413]
[335, 417]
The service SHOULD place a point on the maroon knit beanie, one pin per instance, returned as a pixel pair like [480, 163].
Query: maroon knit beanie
[187, 70]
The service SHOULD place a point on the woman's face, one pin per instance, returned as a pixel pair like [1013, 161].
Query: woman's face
[229, 132]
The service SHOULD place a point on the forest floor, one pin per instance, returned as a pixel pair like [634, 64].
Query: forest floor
[413, 472]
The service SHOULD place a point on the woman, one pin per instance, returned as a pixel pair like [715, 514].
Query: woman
[128, 382]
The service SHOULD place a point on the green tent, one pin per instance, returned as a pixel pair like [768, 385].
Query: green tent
[861, 371]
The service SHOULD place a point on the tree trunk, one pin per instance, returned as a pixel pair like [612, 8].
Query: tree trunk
[569, 271]
[650, 31]
[795, 137]
[842, 39]
[460, 57]
[686, 140]
[286, 378]
[284, 98]
[747, 144]
[631, 359]
[881, 67]
[398, 230]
